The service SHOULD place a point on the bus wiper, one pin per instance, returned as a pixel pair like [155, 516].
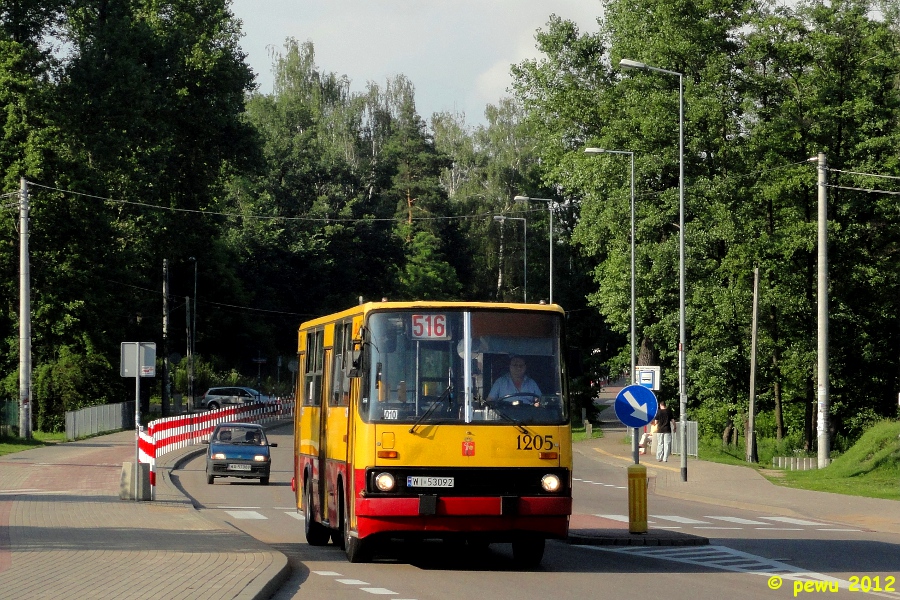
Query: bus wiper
[495, 406]
[435, 404]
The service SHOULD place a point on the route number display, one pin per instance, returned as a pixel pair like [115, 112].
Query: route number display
[430, 327]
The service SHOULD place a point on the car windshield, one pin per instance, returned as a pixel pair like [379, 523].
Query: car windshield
[253, 436]
[450, 366]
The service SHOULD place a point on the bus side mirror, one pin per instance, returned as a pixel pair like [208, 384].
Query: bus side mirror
[355, 359]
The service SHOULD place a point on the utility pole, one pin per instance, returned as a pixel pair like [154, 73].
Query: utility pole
[190, 344]
[751, 419]
[165, 333]
[24, 316]
[500, 263]
[824, 447]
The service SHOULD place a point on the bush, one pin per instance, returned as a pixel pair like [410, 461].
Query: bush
[70, 382]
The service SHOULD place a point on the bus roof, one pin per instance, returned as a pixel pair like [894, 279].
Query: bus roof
[430, 304]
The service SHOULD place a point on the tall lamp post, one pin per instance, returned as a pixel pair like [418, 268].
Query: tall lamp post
[626, 63]
[193, 339]
[503, 218]
[550, 209]
[633, 334]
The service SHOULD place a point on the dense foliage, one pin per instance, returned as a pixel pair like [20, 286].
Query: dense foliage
[139, 129]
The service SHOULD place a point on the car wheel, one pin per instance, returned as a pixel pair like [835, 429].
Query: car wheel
[316, 533]
[213, 405]
[209, 479]
[264, 480]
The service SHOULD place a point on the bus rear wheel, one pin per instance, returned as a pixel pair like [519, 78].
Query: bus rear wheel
[316, 533]
[528, 552]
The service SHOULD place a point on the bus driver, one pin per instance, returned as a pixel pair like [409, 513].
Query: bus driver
[515, 386]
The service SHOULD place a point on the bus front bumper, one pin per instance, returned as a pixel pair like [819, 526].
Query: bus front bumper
[548, 516]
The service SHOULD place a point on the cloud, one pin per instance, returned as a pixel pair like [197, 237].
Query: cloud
[457, 53]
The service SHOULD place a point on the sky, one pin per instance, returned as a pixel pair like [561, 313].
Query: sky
[457, 53]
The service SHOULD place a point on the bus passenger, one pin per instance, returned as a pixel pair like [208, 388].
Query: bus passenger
[515, 386]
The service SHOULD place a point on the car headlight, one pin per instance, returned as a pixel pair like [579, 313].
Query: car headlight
[260, 458]
[384, 482]
[219, 456]
[550, 483]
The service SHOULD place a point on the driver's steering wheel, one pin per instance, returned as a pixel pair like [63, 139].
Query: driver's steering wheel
[535, 399]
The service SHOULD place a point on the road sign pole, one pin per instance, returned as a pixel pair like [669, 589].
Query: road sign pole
[137, 416]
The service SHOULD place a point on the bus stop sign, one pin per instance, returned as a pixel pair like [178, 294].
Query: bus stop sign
[636, 405]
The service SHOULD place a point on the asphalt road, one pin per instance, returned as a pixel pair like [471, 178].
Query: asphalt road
[746, 549]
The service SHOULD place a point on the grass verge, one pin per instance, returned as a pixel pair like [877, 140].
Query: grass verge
[9, 445]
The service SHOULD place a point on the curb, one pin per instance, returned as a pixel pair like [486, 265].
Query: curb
[620, 537]
[264, 585]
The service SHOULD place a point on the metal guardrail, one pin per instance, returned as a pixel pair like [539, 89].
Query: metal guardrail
[691, 437]
[99, 419]
[9, 417]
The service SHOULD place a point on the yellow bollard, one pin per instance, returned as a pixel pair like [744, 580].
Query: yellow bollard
[637, 499]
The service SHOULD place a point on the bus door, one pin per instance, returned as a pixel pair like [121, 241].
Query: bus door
[315, 360]
[339, 361]
[324, 478]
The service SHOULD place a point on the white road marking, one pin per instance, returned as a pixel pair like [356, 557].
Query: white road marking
[678, 519]
[328, 573]
[729, 559]
[382, 591]
[245, 514]
[296, 515]
[791, 521]
[352, 581]
[737, 520]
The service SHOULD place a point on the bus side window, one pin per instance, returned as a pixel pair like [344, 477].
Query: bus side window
[315, 358]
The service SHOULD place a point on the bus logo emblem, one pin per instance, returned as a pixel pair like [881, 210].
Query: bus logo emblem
[468, 448]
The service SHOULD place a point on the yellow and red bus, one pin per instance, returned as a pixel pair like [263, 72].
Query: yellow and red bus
[399, 434]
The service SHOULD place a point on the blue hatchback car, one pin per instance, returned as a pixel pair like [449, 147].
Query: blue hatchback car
[238, 450]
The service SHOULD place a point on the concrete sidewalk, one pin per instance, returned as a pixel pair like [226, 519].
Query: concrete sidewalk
[735, 486]
[64, 532]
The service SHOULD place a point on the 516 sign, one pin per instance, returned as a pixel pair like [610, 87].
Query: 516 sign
[429, 327]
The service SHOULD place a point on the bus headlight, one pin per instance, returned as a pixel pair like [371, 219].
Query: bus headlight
[384, 482]
[550, 483]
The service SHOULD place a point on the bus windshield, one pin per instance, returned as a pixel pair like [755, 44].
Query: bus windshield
[454, 366]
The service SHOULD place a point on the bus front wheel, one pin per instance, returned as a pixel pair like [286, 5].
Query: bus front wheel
[358, 551]
[316, 533]
[528, 552]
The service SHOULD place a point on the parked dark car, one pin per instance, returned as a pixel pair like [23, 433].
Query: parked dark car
[238, 450]
[217, 397]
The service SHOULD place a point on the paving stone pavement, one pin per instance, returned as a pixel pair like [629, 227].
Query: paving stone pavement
[64, 533]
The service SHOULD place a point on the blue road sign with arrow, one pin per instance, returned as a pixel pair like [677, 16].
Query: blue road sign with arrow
[636, 405]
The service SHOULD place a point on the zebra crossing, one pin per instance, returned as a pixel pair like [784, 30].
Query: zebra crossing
[724, 522]
[729, 559]
[674, 522]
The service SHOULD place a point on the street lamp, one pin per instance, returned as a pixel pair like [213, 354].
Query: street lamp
[550, 209]
[193, 345]
[626, 63]
[501, 219]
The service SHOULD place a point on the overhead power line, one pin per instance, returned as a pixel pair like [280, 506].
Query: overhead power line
[258, 217]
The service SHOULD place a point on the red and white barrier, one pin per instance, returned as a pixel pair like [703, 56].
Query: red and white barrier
[173, 433]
